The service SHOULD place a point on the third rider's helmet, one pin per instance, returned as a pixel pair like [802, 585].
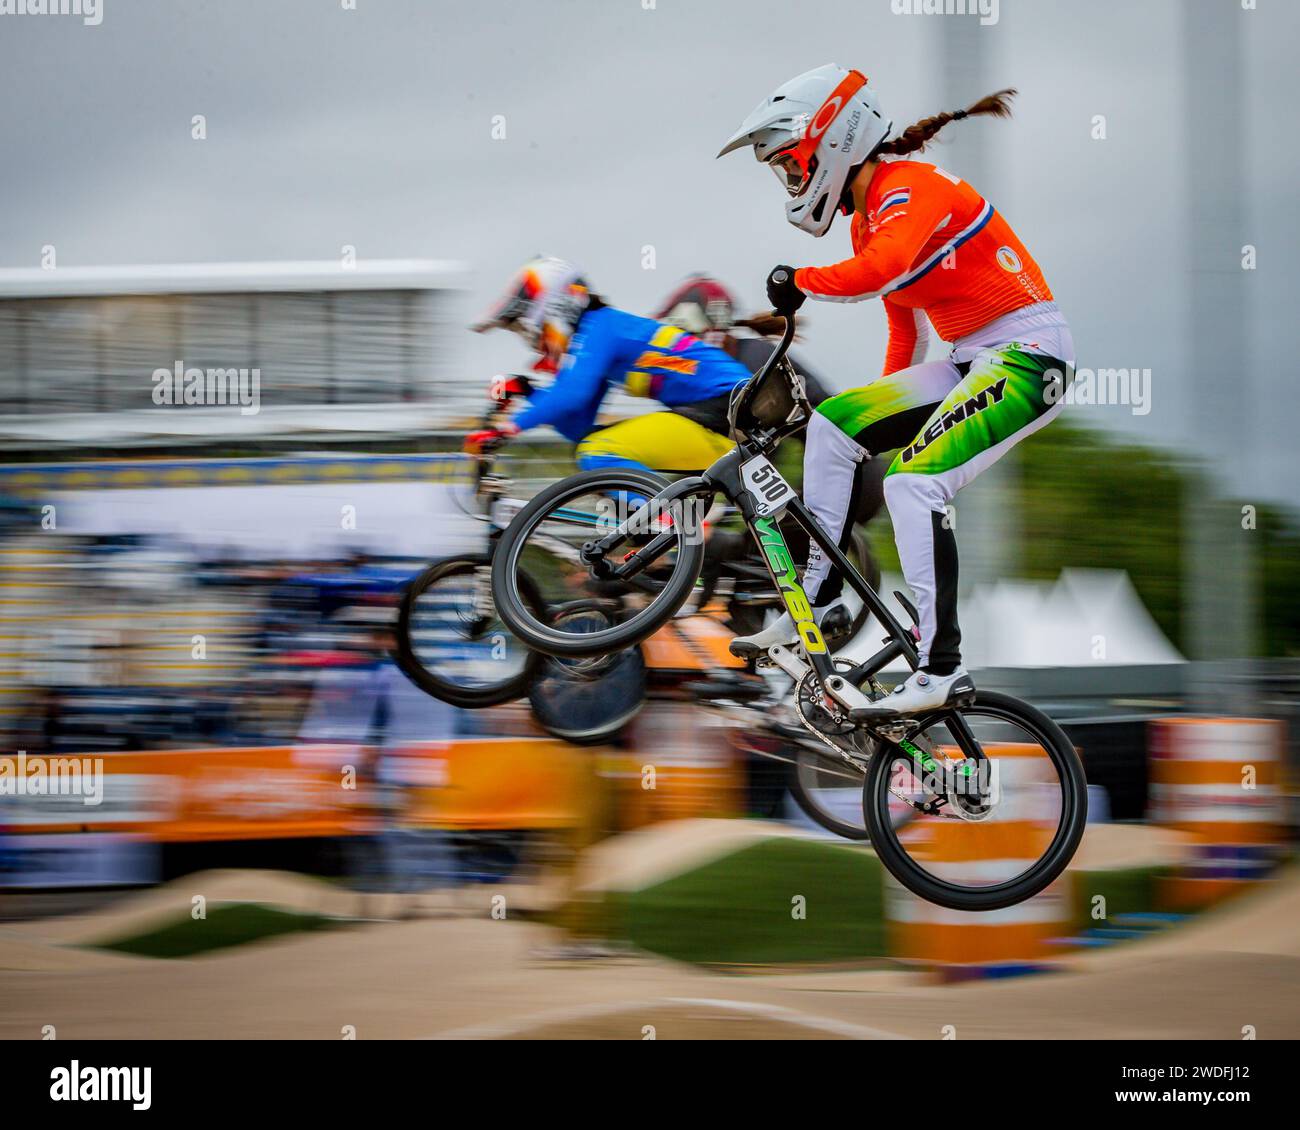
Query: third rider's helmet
[700, 305]
[813, 131]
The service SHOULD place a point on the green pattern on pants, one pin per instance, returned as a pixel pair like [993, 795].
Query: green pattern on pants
[856, 410]
[1004, 392]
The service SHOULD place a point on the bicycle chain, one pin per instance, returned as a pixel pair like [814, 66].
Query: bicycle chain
[929, 808]
[811, 727]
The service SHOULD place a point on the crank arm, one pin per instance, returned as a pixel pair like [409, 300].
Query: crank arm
[789, 662]
[847, 695]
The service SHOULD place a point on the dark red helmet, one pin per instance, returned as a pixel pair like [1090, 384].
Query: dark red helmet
[700, 305]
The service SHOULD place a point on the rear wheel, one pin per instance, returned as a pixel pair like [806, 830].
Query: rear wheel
[829, 790]
[587, 701]
[450, 642]
[991, 830]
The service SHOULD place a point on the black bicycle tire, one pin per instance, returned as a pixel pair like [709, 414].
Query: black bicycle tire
[403, 654]
[875, 798]
[817, 815]
[592, 735]
[623, 635]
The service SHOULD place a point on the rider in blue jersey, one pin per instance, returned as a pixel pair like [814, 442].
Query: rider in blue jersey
[593, 347]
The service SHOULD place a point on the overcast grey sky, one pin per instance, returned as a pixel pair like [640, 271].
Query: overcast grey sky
[373, 127]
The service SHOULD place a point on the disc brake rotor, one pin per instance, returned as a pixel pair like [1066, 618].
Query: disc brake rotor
[973, 803]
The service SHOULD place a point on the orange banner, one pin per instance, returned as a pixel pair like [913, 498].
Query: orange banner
[174, 796]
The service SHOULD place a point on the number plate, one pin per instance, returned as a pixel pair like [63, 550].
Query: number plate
[766, 486]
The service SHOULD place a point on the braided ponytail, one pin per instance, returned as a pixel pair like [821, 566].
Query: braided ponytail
[765, 325]
[917, 136]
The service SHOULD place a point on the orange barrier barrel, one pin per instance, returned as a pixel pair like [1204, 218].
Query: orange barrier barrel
[959, 945]
[1218, 779]
[677, 762]
[692, 644]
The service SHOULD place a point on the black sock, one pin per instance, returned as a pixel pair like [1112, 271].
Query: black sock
[939, 670]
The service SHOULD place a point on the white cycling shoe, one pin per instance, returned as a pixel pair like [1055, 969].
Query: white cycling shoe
[782, 632]
[921, 692]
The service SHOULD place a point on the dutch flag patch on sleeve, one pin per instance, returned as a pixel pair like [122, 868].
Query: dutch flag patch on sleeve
[893, 198]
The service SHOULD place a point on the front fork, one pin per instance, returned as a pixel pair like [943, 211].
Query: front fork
[669, 501]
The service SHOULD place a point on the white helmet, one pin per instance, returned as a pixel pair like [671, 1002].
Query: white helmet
[813, 131]
[542, 303]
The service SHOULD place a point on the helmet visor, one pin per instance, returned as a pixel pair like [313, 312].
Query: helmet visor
[505, 313]
[792, 175]
[514, 309]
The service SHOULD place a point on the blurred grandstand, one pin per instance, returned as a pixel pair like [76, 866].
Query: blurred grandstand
[344, 350]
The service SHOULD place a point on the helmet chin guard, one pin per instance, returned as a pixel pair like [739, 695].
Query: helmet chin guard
[814, 130]
[542, 303]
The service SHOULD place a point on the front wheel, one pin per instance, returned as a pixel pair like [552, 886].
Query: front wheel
[1000, 801]
[549, 541]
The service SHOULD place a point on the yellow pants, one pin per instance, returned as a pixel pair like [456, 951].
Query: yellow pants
[661, 441]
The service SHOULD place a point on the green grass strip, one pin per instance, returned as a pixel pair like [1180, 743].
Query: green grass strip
[236, 924]
[741, 909]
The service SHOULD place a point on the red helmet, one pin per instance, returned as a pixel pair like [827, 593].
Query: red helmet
[700, 305]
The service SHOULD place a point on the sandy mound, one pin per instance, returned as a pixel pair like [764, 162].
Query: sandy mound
[149, 910]
[1265, 921]
[636, 860]
[26, 955]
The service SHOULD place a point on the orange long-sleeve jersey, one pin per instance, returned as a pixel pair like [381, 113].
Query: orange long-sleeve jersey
[929, 245]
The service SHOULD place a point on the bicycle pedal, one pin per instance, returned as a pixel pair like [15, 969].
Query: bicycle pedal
[962, 694]
[838, 624]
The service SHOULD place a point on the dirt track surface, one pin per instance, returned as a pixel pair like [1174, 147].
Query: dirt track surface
[470, 976]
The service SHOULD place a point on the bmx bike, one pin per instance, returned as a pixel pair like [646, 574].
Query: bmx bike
[995, 788]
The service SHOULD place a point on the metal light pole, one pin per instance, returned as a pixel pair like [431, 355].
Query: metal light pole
[987, 531]
[1219, 600]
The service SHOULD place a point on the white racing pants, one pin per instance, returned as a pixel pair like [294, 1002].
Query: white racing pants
[950, 419]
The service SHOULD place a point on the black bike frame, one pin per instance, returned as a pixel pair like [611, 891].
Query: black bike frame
[724, 477]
